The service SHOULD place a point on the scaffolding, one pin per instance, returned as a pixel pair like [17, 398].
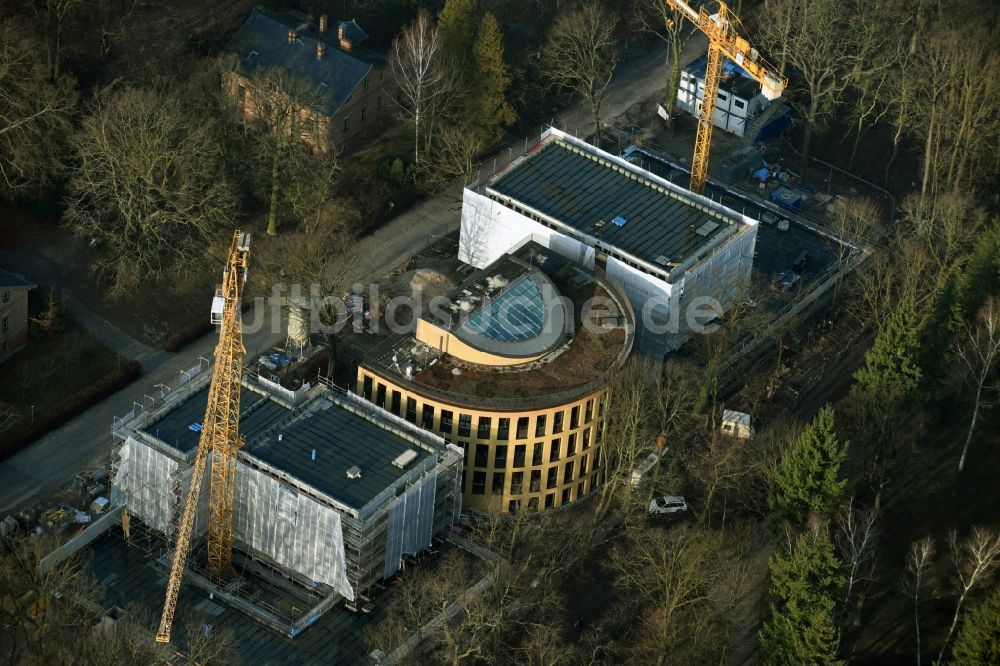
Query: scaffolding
[298, 550]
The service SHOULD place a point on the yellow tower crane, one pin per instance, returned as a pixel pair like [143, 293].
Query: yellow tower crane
[722, 42]
[219, 434]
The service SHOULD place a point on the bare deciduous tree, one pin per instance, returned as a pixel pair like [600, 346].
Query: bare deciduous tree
[918, 563]
[974, 559]
[9, 416]
[146, 181]
[35, 114]
[657, 18]
[416, 63]
[857, 537]
[979, 352]
[581, 55]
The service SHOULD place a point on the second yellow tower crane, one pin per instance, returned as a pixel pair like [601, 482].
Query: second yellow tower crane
[722, 42]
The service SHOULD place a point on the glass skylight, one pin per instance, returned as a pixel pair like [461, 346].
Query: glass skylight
[516, 314]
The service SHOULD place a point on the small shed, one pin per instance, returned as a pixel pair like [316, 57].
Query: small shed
[736, 424]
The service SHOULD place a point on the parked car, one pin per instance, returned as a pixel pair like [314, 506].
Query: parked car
[668, 504]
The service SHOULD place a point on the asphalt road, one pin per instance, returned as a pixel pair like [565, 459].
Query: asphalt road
[84, 442]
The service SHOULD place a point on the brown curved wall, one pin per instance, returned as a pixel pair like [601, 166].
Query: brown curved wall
[502, 471]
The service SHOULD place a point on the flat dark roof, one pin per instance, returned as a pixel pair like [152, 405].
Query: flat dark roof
[257, 414]
[342, 439]
[582, 190]
[127, 575]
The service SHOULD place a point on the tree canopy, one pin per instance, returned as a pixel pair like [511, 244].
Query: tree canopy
[145, 182]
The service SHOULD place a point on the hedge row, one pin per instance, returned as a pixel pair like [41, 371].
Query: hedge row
[70, 406]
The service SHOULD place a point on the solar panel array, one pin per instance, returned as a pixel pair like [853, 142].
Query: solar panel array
[580, 192]
[517, 314]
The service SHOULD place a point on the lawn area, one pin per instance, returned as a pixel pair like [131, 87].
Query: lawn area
[51, 378]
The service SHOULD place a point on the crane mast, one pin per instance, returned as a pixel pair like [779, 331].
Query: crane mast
[722, 42]
[219, 435]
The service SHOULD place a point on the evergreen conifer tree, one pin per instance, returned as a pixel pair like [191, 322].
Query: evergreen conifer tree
[979, 640]
[490, 111]
[807, 479]
[890, 371]
[457, 30]
[804, 583]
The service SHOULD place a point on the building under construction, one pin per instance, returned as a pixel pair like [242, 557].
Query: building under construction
[332, 494]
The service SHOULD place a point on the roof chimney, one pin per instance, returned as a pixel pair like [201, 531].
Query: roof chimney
[320, 49]
[322, 24]
[345, 42]
[291, 36]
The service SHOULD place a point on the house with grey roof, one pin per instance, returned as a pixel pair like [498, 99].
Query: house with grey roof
[345, 83]
[14, 289]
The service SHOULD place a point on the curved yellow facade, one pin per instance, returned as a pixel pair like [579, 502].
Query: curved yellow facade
[515, 459]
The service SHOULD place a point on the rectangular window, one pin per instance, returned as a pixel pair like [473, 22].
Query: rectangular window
[464, 425]
[366, 390]
[533, 504]
[465, 454]
[519, 456]
[379, 105]
[723, 97]
[500, 456]
[482, 455]
[600, 406]
[516, 481]
[498, 479]
[574, 418]
[380, 395]
[557, 423]
[446, 420]
[586, 439]
[503, 429]
[514, 506]
[550, 500]
[597, 459]
[536, 480]
[479, 483]
[411, 410]
[583, 463]
[565, 496]
[589, 414]
[571, 445]
[364, 111]
[581, 489]
[554, 447]
[568, 472]
[427, 417]
[522, 427]
[485, 425]
[600, 433]
[463, 483]
[539, 454]
[347, 123]
[540, 426]
[394, 407]
[739, 104]
[553, 479]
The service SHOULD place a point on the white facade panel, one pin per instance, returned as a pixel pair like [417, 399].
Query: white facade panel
[490, 229]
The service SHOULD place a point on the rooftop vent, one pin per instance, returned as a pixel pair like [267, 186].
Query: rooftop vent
[708, 227]
[404, 458]
[354, 472]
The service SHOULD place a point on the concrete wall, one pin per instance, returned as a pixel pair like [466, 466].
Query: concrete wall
[490, 229]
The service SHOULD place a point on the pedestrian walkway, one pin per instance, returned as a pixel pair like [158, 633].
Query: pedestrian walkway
[112, 336]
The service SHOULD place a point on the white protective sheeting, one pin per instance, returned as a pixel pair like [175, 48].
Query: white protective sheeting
[292, 529]
[411, 522]
[143, 483]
